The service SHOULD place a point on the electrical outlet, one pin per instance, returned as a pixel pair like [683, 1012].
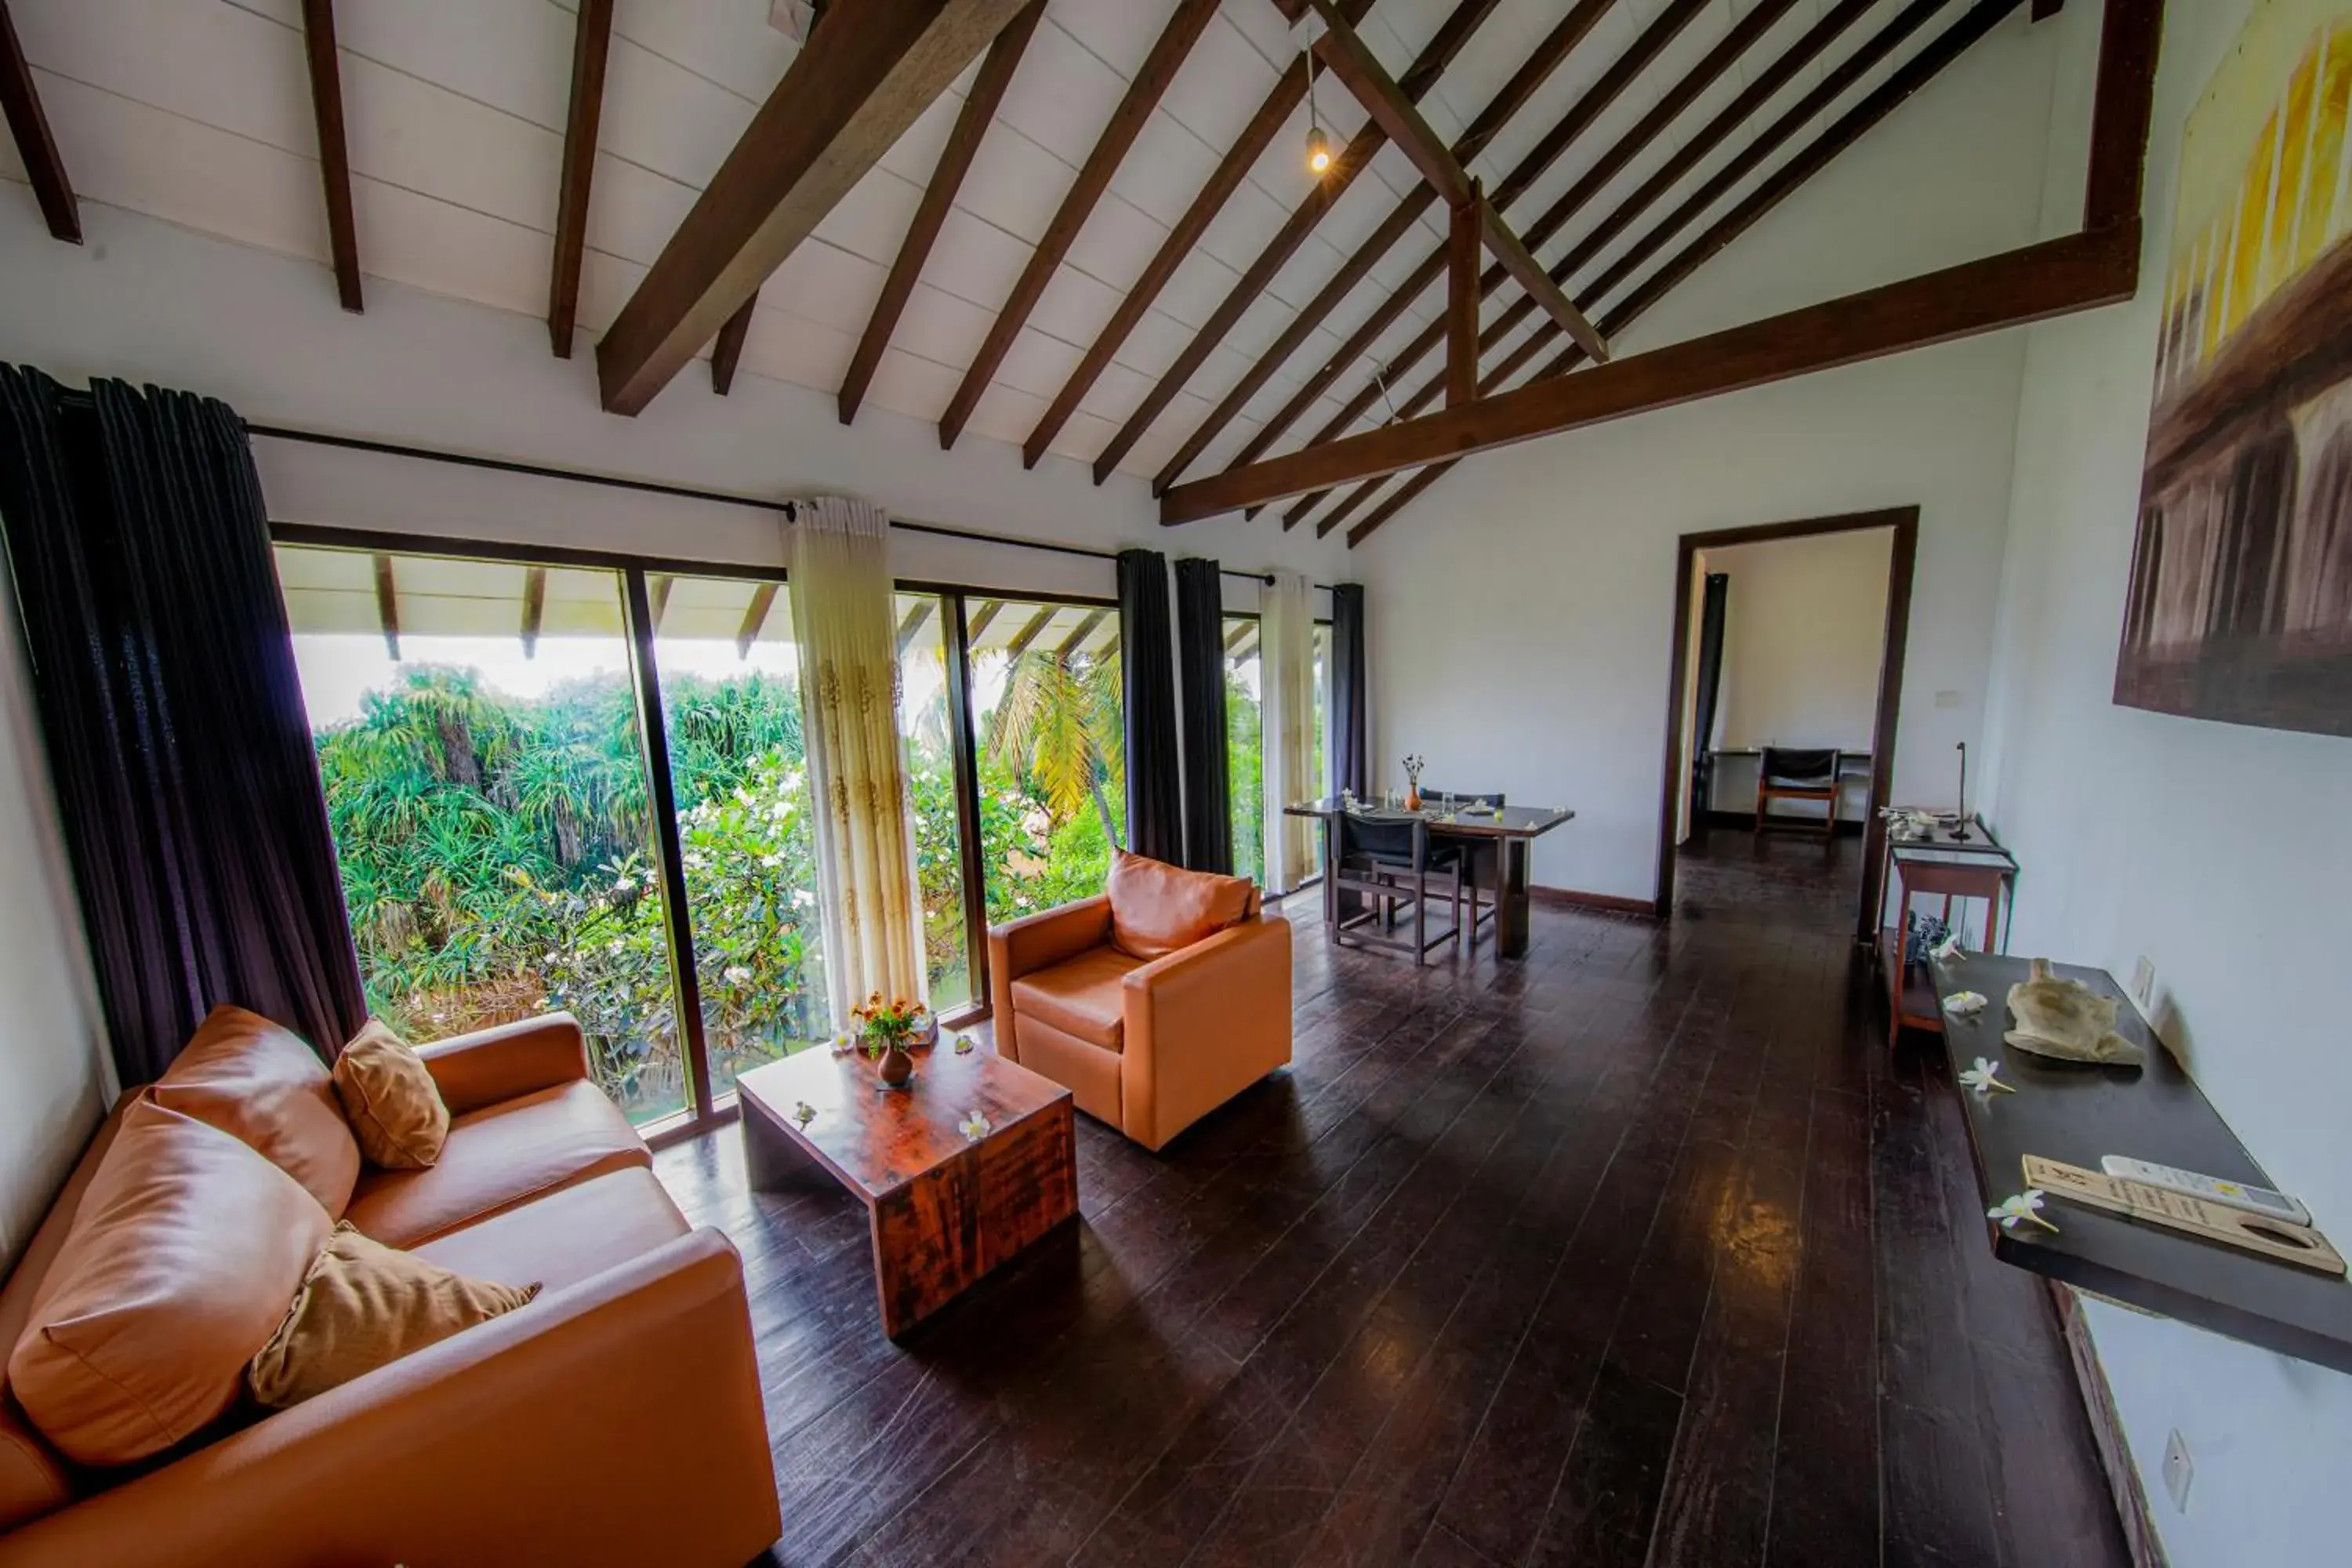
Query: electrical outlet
[2178, 1470]
[2143, 983]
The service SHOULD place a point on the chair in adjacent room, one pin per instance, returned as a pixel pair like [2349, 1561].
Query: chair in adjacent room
[1389, 863]
[1784, 773]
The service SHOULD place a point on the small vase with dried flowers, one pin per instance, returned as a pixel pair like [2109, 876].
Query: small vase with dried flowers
[884, 1030]
[1412, 766]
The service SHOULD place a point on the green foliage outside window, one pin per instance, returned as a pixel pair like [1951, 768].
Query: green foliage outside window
[498, 858]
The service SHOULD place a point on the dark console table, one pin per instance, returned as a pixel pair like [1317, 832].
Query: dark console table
[2079, 1113]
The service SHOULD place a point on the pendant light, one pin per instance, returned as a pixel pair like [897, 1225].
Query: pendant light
[1318, 146]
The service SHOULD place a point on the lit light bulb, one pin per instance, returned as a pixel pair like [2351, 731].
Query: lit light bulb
[1319, 150]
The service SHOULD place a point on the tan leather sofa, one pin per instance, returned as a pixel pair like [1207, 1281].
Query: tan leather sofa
[616, 1420]
[1149, 1046]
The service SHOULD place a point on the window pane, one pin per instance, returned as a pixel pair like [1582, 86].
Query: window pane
[485, 784]
[1053, 750]
[1244, 746]
[925, 722]
[732, 709]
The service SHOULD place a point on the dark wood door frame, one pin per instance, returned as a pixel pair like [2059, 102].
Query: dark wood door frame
[1905, 522]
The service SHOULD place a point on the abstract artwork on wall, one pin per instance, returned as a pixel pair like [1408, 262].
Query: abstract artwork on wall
[2241, 600]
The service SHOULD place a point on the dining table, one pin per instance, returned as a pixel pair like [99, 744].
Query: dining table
[1497, 843]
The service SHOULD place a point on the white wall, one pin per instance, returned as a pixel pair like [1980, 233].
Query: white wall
[1804, 629]
[54, 1079]
[1523, 609]
[2215, 850]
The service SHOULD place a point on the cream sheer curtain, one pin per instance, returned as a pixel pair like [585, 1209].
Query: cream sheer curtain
[839, 564]
[1286, 709]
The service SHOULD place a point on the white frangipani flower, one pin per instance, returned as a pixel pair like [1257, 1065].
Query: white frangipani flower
[974, 1126]
[1981, 1078]
[2021, 1206]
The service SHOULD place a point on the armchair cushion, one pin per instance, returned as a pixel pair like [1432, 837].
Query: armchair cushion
[497, 1157]
[260, 1084]
[1157, 909]
[1080, 996]
[183, 1253]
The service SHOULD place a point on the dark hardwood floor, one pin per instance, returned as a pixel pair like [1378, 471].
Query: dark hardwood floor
[1641, 1249]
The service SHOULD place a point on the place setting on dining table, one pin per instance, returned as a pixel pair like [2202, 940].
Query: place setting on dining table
[1395, 852]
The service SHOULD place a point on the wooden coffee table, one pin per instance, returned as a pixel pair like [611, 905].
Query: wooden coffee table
[945, 1209]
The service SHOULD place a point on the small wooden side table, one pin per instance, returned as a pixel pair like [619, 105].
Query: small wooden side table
[945, 1209]
[1975, 868]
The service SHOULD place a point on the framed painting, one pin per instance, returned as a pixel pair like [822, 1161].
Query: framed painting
[2239, 607]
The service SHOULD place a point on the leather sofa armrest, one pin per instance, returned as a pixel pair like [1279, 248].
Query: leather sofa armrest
[1038, 942]
[485, 1447]
[1189, 1016]
[507, 1060]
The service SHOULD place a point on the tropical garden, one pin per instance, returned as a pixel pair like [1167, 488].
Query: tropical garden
[498, 857]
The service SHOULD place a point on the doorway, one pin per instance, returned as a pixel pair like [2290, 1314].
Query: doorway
[1784, 709]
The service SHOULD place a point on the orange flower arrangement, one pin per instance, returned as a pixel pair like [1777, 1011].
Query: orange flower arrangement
[884, 1027]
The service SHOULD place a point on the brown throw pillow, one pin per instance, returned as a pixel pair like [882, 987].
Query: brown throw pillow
[388, 1096]
[1157, 909]
[364, 1305]
[260, 1083]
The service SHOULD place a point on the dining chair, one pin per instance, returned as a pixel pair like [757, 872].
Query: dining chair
[1388, 863]
[1785, 772]
[1477, 857]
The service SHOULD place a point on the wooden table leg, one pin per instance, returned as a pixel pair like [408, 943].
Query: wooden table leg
[773, 1162]
[1510, 898]
[937, 1235]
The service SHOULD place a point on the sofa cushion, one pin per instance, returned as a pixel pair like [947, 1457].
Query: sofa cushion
[1157, 909]
[183, 1256]
[364, 1305]
[565, 1237]
[388, 1096]
[258, 1081]
[1081, 996]
[497, 1157]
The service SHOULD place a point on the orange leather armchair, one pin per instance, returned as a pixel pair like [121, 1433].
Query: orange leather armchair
[1149, 1046]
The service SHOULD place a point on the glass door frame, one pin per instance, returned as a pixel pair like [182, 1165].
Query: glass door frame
[636, 572]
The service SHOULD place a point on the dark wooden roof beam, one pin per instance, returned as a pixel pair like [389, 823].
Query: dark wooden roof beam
[1086, 628]
[1028, 633]
[387, 606]
[592, 41]
[2097, 266]
[334, 156]
[1456, 31]
[1580, 115]
[1354, 64]
[1169, 53]
[911, 623]
[1533, 72]
[755, 618]
[534, 607]
[727, 352]
[1766, 85]
[21, 101]
[947, 178]
[854, 87]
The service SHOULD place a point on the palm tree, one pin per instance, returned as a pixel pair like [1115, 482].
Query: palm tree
[1059, 725]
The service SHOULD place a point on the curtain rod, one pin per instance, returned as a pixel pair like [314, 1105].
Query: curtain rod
[663, 487]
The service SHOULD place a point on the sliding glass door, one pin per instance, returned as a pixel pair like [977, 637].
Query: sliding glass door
[927, 707]
[1245, 746]
[746, 842]
[477, 740]
[1052, 749]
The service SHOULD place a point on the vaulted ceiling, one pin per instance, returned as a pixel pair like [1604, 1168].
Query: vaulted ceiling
[1101, 241]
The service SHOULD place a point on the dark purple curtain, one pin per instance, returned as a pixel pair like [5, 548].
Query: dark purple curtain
[1201, 656]
[178, 746]
[1155, 802]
